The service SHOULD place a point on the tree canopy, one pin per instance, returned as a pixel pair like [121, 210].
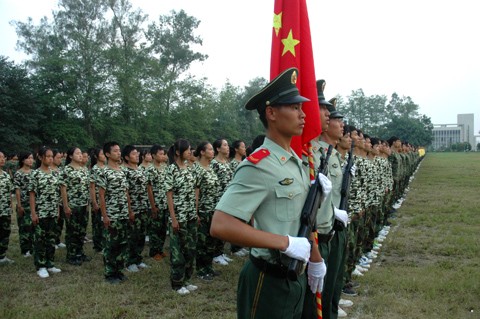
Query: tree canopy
[102, 70]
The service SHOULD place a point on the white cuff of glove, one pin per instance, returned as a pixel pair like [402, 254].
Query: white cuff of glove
[326, 184]
[316, 272]
[298, 248]
[341, 215]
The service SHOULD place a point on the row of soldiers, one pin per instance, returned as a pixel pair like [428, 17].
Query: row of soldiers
[369, 175]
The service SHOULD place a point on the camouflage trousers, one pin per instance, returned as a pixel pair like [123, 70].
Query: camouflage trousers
[115, 246]
[5, 229]
[182, 253]
[25, 230]
[59, 222]
[157, 232]
[44, 242]
[97, 230]
[136, 238]
[205, 245]
[370, 222]
[76, 229]
[352, 232]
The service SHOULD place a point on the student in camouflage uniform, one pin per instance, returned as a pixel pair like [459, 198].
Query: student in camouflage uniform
[209, 188]
[222, 168]
[97, 164]
[57, 167]
[137, 190]
[182, 200]
[74, 187]
[11, 165]
[44, 193]
[24, 218]
[116, 213]
[6, 189]
[145, 159]
[158, 221]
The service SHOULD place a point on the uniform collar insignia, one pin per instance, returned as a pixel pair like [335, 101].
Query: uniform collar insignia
[286, 181]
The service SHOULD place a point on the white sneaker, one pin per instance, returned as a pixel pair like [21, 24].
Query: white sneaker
[27, 254]
[61, 245]
[239, 253]
[372, 254]
[345, 303]
[54, 270]
[341, 313]
[56, 246]
[357, 273]
[6, 260]
[183, 291]
[361, 269]
[43, 273]
[142, 265]
[364, 265]
[219, 260]
[132, 268]
[191, 287]
[365, 259]
[147, 239]
[227, 259]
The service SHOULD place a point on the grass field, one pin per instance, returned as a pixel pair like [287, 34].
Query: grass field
[429, 266]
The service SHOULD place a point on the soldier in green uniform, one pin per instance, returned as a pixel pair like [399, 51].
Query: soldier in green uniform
[44, 191]
[74, 187]
[24, 218]
[6, 189]
[209, 188]
[137, 190]
[271, 187]
[97, 164]
[116, 213]
[182, 200]
[158, 222]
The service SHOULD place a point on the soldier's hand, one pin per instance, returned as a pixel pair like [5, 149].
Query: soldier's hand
[326, 184]
[155, 211]
[106, 222]
[95, 207]
[316, 272]
[298, 248]
[68, 212]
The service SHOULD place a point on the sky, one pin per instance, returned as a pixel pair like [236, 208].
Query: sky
[428, 50]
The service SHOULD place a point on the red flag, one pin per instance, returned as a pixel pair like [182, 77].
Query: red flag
[292, 47]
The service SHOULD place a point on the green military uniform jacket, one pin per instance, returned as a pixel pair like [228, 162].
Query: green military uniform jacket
[273, 191]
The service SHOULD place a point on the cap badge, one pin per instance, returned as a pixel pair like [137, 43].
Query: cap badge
[294, 77]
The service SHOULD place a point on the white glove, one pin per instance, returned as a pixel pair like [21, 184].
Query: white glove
[298, 248]
[316, 272]
[341, 215]
[326, 184]
[353, 169]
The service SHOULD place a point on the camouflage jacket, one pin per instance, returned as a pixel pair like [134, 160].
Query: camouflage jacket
[76, 182]
[47, 195]
[207, 182]
[224, 173]
[20, 181]
[156, 178]
[95, 174]
[6, 189]
[115, 184]
[137, 189]
[181, 182]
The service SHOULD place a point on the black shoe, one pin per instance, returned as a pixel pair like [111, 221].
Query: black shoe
[74, 262]
[121, 276]
[85, 258]
[215, 273]
[349, 291]
[353, 284]
[207, 277]
[114, 280]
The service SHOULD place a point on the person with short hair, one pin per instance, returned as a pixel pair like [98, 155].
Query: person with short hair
[271, 187]
[44, 192]
[116, 213]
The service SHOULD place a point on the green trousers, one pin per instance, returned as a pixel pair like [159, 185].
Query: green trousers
[262, 295]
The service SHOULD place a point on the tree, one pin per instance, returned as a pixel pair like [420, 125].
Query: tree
[19, 109]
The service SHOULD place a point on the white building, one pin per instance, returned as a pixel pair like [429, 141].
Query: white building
[444, 135]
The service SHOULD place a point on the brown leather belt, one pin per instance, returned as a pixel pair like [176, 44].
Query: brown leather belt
[326, 238]
[278, 271]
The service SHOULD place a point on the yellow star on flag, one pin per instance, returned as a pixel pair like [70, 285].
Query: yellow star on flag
[277, 22]
[289, 44]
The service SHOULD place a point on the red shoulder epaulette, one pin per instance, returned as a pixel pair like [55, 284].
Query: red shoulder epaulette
[256, 157]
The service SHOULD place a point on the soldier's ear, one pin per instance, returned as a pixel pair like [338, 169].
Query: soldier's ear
[271, 113]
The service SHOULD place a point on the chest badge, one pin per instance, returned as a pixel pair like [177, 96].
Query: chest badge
[286, 181]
